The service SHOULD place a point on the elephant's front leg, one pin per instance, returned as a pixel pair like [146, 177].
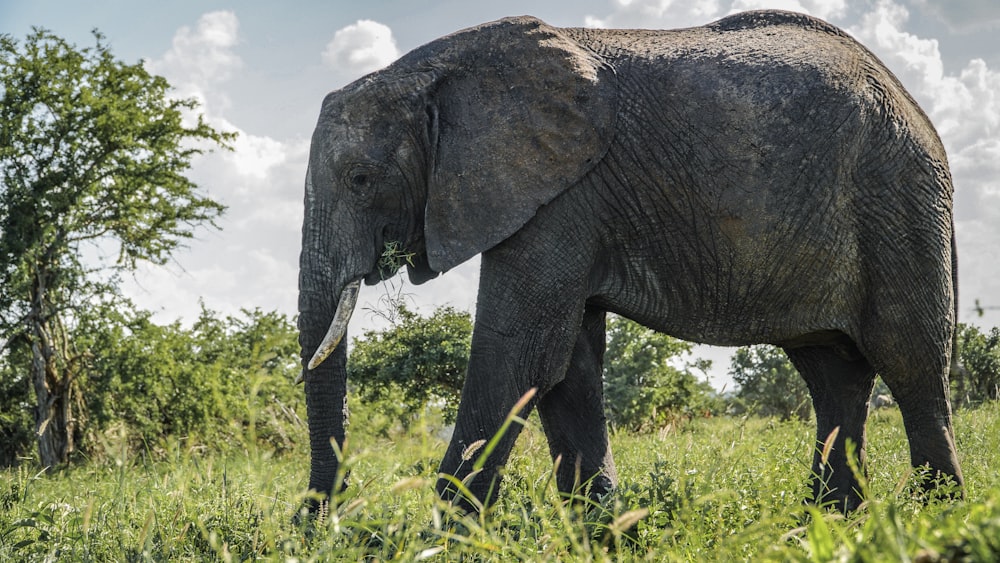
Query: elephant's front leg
[523, 338]
[573, 416]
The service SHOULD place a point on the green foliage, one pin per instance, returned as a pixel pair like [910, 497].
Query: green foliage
[93, 152]
[642, 386]
[416, 361]
[17, 419]
[221, 379]
[224, 380]
[421, 361]
[769, 383]
[979, 354]
[393, 258]
[717, 489]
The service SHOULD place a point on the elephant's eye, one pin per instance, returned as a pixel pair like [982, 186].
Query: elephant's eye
[361, 177]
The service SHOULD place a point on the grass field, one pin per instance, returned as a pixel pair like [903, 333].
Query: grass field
[717, 489]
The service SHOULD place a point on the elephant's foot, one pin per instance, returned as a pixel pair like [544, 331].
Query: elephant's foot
[843, 495]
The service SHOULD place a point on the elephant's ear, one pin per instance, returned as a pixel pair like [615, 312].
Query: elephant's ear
[520, 113]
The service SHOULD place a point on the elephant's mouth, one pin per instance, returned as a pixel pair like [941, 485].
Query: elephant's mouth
[382, 271]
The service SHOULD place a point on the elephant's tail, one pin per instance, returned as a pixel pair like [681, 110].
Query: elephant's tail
[956, 370]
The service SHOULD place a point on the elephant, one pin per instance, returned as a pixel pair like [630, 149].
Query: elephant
[882, 401]
[760, 179]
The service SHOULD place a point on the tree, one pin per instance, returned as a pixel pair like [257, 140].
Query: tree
[769, 383]
[93, 152]
[979, 352]
[642, 385]
[415, 361]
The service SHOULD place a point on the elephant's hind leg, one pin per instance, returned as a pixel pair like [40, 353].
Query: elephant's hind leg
[920, 387]
[840, 381]
[572, 414]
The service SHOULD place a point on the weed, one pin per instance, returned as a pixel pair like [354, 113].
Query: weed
[394, 257]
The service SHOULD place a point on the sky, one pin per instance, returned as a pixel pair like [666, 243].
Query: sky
[261, 68]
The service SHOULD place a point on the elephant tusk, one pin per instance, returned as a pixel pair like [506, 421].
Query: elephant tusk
[345, 307]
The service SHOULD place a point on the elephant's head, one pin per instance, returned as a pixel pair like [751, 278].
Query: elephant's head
[444, 154]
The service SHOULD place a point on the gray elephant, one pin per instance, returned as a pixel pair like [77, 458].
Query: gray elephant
[762, 179]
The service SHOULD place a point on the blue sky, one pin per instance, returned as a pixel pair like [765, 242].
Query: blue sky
[262, 68]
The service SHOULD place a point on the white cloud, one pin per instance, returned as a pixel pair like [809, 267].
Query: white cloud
[252, 261]
[963, 15]
[202, 57]
[360, 48]
[198, 64]
[254, 155]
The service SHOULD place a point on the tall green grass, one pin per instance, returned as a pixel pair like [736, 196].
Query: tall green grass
[711, 489]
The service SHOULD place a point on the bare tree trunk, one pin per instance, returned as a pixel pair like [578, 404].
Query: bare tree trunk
[54, 420]
[53, 380]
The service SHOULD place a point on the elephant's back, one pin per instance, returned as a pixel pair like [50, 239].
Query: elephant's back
[768, 19]
[760, 45]
[756, 39]
[766, 55]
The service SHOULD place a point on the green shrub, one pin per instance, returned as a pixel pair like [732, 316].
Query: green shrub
[645, 384]
[979, 352]
[225, 380]
[415, 362]
[769, 385]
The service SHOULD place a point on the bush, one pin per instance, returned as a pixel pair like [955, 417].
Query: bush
[222, 379]
[421, 361]
[979, 353]
[643, 385]
[769, 383]
[418, 360]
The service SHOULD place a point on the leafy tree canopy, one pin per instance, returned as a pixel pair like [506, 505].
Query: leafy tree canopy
[92, 151]
[979, 379]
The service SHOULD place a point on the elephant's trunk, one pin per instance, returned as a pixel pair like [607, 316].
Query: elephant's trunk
[322, 272]
[326, 392]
